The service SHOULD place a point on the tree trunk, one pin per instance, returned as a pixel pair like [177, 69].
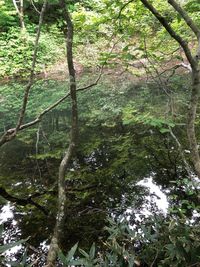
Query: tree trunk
[10, 134]
[60, 220]
[191, 120]
[194, 61]
[20, 12]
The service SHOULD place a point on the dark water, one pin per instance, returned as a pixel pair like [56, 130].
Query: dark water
[105, 178]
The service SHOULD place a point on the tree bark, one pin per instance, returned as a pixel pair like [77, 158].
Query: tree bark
[60, 220]
[191, 120]
[194, 62]
[20, 12]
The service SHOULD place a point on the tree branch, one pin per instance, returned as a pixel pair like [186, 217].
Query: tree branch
[189, 22]
[44, 112]
[30, 82]
[123, 7]
[61, 214]
[34, 7]
[11, 133]
[22, 201]
[186, 18]
[173, 34]
[16, 7]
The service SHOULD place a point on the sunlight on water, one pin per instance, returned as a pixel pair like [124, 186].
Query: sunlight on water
[160, 198]
[6, 213]
[156, 195]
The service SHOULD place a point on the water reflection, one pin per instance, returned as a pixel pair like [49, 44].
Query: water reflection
[6, 213]
[159, 197]
[107, 177]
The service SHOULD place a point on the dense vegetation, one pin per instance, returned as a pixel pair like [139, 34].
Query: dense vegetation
[81, 152]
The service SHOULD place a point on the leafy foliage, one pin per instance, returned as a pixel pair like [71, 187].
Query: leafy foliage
[17, 51]
[159, 241]
[125, 136]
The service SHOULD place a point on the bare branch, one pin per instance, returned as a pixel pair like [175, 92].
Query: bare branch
[20, 12]
[177, 66]
[11, 133]
[38, 119]
[16, 7]
[94, 83]
[186, 66]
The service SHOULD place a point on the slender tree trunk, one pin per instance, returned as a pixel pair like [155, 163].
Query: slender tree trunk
[191, 120]
[21, 17]
[10, 134]
[60, 220]
[20, 12]
[194, 63]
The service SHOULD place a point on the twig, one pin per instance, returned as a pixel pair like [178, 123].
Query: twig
[34, 7]
[161, 83]
[38, 119]
[154, 259]
[8, 135]
[36, 150]
[123, 7]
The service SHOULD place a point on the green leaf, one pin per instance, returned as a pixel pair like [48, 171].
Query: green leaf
[62, 257]
[5, 247]
[1, 230]
[72, 251]
[84, 253]
[164, 130]
[92, 251]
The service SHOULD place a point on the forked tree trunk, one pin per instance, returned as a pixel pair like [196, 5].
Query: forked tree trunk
[60, 220]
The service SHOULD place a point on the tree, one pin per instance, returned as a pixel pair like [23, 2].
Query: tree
[194, 63]
[60, 220]
[10, 134]
[19, 7]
